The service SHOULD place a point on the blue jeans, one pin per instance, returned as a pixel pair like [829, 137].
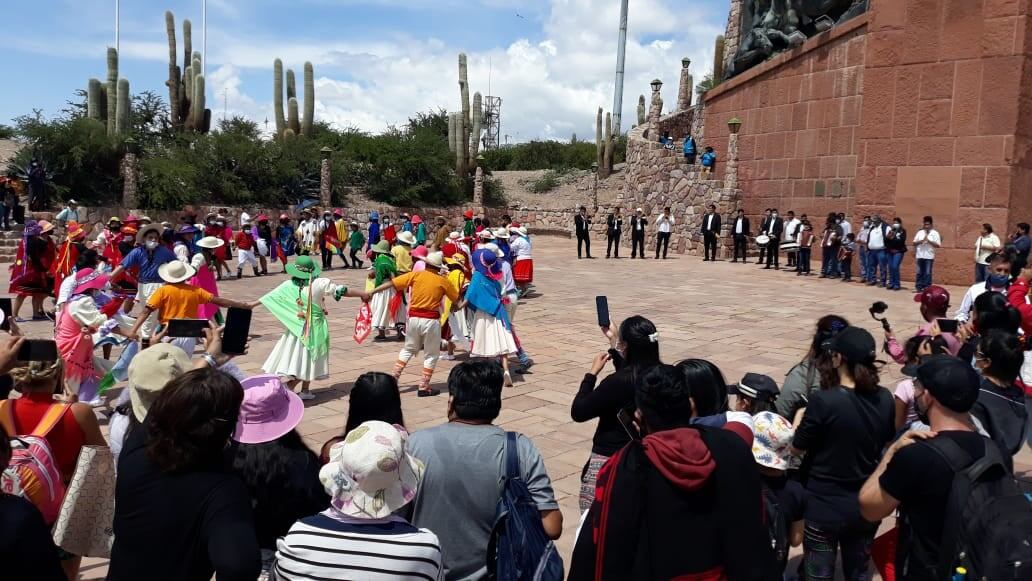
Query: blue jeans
[894, 260]
[820, 547]
[863, 262]
[803, 262]
[876, 260]
[924, 272]
[981, 272]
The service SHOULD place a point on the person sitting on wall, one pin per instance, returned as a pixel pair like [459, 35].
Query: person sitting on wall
[689, 150]
[709, 162]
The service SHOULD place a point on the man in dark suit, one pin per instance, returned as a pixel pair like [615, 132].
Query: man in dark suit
[775, 227]
[582, 225]
[740, 234]
[710, 233]
[763, 229]
[638, 225]
[614, 226]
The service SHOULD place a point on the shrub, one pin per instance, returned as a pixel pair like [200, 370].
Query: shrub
[546, 183]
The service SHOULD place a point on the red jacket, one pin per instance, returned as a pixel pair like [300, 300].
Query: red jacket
[1016, 295]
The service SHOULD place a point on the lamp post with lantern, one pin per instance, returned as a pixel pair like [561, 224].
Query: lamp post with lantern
[734, 125]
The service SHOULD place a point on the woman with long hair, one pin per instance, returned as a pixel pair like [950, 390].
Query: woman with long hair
[633, 349]
[179, 514]
[844, 429]
[895, 249]
[805, 377]
[708, 390]
[374, 396]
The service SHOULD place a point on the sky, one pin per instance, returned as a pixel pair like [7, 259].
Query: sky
[377, 62]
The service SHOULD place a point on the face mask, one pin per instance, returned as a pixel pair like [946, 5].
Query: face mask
[999, 280]
[866, 223]
[220, 224]
[151, 245]
[897, 226]
[838, 221]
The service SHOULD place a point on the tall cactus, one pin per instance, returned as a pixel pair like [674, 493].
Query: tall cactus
[187, 41]
[291, 87]
[96, 108]
[309, 111]
[197, 104]
[606, 167]
[277, 96]
[642, 110]
[478, 112]
[112, 89]
[599, 144]
[173, 71]
[122, 114]
[466, 124]
[292, 122]
[452, 120]
[718, 60]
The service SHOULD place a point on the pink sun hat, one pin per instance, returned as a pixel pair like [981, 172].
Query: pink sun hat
[89, 279]
[420, 252]
[269, 410]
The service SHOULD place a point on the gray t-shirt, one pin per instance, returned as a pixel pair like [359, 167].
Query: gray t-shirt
[461, 488]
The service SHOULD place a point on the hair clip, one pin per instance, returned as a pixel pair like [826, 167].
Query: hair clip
[654, 338]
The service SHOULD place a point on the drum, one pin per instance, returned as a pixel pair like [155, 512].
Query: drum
[763, 240]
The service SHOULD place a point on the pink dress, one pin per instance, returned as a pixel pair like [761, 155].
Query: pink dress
[76, 345]
[205, 279]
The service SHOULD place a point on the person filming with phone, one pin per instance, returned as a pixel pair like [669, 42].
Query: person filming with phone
[935, 302]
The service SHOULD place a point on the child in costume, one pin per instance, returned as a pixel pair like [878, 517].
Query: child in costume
[266, 243]
[523, 265]
[386, 306]
[453, 319]
[355, 242]
[402, 252]
[374, 228]
[206, 262]
[303, 352]
[287, 242]
[491, 328]
[245, 249]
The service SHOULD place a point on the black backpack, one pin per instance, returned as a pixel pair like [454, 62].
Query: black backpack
[777, 527]
[988, 524]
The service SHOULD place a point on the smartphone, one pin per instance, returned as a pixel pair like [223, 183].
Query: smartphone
[238, 327]
[602, 307]
[186, 327]
[947, 325]
[5, 307]
[38, 350]
[626, 419]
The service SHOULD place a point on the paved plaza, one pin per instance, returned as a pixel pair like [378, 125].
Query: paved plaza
[741, 317]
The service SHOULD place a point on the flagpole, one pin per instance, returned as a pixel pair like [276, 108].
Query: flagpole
[204, 37]
[117, 18]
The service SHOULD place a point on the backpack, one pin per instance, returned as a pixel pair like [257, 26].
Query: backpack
[777, 526]
[518, 548]
[33, 473]
[988, 524]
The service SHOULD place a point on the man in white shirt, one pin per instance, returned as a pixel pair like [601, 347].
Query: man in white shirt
[664, 224]
[876, 258]
[792, 227]
[861, 244]
[986, 244]
[847, 228]
[638, 225]
[740, 235]
[998, 280]
[926, 241]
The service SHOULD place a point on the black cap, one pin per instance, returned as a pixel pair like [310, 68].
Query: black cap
[756, 386]
[855, 344]
[952, 382]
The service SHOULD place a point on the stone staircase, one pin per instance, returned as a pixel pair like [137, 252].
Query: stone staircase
[9, 239]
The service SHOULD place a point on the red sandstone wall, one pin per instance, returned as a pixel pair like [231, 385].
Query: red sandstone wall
[945, 130]
[800, 116]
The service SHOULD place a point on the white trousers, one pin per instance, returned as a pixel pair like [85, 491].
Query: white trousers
[246, 257]
[422, 334]
[143, 294]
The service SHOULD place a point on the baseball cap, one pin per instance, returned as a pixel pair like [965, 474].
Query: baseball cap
[855, 344]
[756, 386]
[934, 297]
[952, 382]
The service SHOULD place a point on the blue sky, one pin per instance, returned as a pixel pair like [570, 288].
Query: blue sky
[376, 61]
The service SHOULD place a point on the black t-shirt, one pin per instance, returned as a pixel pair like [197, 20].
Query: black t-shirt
[180, 526]
[920, 479]
[614, 393]
[27, 550]
[843, 433]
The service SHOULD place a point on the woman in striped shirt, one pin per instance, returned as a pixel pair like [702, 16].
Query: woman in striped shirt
[369, 477]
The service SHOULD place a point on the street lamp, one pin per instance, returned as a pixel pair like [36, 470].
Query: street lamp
[656, 85]
[734, 124]
[326, 152]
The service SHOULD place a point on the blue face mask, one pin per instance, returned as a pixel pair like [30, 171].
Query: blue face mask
[999, 280]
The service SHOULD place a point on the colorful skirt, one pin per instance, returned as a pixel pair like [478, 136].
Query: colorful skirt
[29, 282]
[490, 337]
[588, 478]
[523, 271]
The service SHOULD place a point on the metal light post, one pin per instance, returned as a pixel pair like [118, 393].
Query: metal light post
[621, 49]
[204, 38]
[118, 17]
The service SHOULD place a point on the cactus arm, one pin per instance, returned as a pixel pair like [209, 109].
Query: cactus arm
[309, 111]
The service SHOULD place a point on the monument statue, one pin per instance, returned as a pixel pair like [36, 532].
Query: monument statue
[771, 26]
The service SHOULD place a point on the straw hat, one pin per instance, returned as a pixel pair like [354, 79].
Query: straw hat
[494, 248]
[304, 267]
[435, 259]
[522, 230]
[146, 230]
[150, 371]
[45, 226]
[370, 474]
[455, 236]
[501, 232]
[269, 410]
[176, 271]
[210, 242]
[486, 234]
[407, 238]
[114, 219]
[381, 247]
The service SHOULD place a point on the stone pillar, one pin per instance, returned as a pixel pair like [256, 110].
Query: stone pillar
[325, 178]
[130, 198]
[655, 111]
[733, 32]
[478, 189]
[731, 167]
[684, 89]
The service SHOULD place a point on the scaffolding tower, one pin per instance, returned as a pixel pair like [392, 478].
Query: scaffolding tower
[492, 122]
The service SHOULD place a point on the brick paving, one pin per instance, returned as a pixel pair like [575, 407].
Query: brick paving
[741, 317]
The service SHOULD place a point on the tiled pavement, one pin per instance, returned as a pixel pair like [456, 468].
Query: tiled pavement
[741, 317]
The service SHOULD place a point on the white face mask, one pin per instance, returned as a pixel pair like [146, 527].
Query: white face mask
[897, 226]
[151, 244]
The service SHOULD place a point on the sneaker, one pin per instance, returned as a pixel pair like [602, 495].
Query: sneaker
[430, 392]
[379, 338]
[240, 274]
[306, 395]
[527, 364]
[446, 357]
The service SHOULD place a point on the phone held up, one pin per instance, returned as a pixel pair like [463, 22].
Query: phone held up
[602, 308]
[187, 327]
[238, 327]
[38, 350]
[879, 308]
[947, 325]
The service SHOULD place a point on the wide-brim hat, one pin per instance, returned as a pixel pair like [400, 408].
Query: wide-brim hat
[269, 410]
[45, 226]
[186, 229]
[416, 219]
[89, 279]
[487, 263]
[304, 267]
[210, 242]
[145, 230]
[486, 234]
[501, 232]
[75, 230]
[381, 247]
[455, 236]
[494, 248]
[150, 371]
[772, 440]
[435, 259]
[114, 219]
[407, 238]
[370, 474]
[176, 271]
[522, 230]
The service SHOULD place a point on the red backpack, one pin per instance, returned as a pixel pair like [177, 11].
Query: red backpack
[33, 473]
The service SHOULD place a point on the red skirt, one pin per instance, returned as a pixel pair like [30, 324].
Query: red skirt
[523, 271]
[29, 282]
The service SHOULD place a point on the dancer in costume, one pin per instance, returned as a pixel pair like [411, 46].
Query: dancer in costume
[286, 238]
[303, 352]
[428, 287]
[523, 267]
[74, 335]
[374, 228]
[29, 272]
[386, 306]
[388, 230]
[148, 258]
[245, 248]
[266, 242]
[67, 254]
[341, 227]
[510, 298]
[491, 328]
[468, 228]
[356, 241]
[420, 228]
[453, 319]
[184, 243]
[329, 243]
[205, 262]
[402, 252]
